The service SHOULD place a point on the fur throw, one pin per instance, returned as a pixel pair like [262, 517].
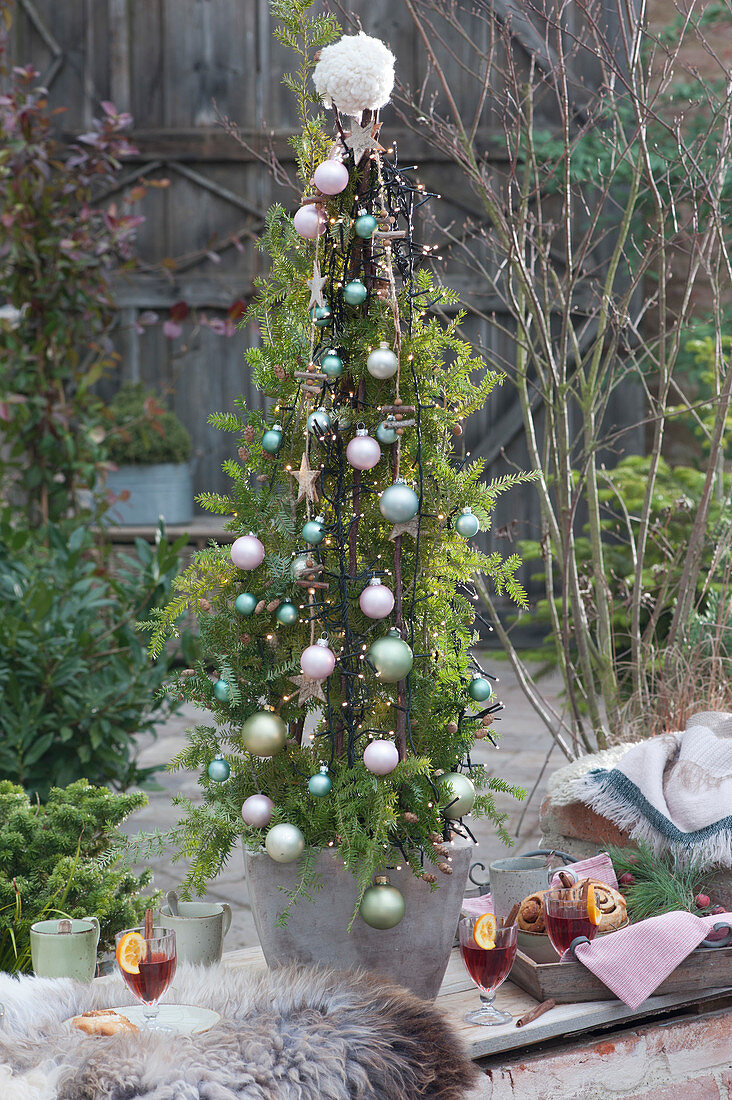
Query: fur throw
[295, 1033]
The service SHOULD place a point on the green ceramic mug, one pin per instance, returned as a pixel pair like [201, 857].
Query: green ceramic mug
[199, 928]
[59, 954]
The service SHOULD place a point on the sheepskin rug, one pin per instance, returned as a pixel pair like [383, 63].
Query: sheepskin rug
[295, 1033]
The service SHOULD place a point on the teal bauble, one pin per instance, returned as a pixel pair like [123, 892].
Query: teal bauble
[355, 293]
[287, 614]
[332, 364]
[455, 785]
[219, 769]
[299, 566]
[318, 422]
[386, 435]
[391, 657]
[480, 689]
[320, 784]
[284, 843]
[467, 524]
[245, 603]
[321, 315]
[272, 439]
[382, 905]
[222, 691]
[264, 733]
[365, 226]
[313, 531]
[398, 503]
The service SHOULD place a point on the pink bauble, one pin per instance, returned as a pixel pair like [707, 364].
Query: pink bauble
[309, 221]
[381, 757]
[317, 662]
[331, 177]
[363, 452]
[257, 810]
[247, 552]
[376, 600]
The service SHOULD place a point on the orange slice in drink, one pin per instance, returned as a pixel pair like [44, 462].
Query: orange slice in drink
[484, 931]
[593, 912]
[131, 950]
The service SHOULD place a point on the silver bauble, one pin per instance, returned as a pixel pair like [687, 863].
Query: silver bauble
[299, 566]
[382, 905]
[398, 503]
[284, 843]
[457, 786]
[382, 362]
[264, 733]
[318, 422]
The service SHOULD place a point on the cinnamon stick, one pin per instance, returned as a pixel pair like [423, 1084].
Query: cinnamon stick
[535, 1013]
[511, 918]
[148, 924]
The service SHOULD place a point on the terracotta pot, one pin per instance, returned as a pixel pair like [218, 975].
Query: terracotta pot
[414, 954]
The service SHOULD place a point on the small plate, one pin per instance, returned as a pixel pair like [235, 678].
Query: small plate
[179, 1019]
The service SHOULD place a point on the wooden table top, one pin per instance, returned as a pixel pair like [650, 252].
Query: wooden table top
[458, 996]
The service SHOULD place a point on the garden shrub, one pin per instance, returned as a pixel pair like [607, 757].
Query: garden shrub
[144, 432]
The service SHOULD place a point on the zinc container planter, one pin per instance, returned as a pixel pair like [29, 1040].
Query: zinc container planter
[414, 954]
[162, 489]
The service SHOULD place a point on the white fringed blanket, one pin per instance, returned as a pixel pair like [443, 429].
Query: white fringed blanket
[674, 792]
[297, 1033]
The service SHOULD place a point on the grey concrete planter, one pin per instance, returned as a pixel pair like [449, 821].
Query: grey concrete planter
[414, 954]
[164, 489]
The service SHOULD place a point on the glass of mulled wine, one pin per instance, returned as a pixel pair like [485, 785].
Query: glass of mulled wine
[147, 965]
[567, 916]
[488, 967]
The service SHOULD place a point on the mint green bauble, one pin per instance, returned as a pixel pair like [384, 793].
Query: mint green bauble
[480, 689]
[355, 293]
[321, 315]
[386, 435]
[382, 905]
[467, 524]
[272, 439]
[332, 364]
[391, 657]
[455, 785]
[313, 531]
[287, 614]
[264, 733]
[222, 691]
[245, 603]
[365, 226]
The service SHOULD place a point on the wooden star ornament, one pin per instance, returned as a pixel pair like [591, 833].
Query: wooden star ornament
[316, 285]
[307, 689]
[410, 528]
[306, 478]
[363, 139]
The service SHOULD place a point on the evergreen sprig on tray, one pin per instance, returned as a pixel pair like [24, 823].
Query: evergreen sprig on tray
[661, 884]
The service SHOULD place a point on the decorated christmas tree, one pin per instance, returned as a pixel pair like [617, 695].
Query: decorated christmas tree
[336, 631]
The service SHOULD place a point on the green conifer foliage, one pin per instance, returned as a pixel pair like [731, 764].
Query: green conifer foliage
[428, 714]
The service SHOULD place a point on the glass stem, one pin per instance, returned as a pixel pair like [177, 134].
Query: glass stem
[150, 1012]
[487, 999]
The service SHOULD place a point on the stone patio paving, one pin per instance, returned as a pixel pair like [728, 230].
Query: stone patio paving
[520, 757]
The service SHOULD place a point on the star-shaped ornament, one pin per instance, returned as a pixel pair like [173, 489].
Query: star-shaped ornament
[411, 528]
[316, 287]
[362, 140]
[306, 478]
[307, 689]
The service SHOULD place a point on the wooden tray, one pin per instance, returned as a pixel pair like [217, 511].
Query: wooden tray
[569, 982]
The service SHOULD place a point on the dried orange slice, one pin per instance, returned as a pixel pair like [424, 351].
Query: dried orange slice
[131, 950]
[484, 931]
[593, 912]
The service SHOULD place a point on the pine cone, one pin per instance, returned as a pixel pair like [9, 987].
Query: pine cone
[436, 838]
[480, 734]
[445, 868]
[273, 605]
[440, 850]
[280, 372]
[245, 638]
[188, 672]
[411, 818]
[452, 727]
[204, 604]
[260, 607]
[243, 454]
[262, 477]
[249, 434]
[488, 720]
[428, 877]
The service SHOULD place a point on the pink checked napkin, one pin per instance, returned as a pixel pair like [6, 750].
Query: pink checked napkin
[600, 868]
[634, 961]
